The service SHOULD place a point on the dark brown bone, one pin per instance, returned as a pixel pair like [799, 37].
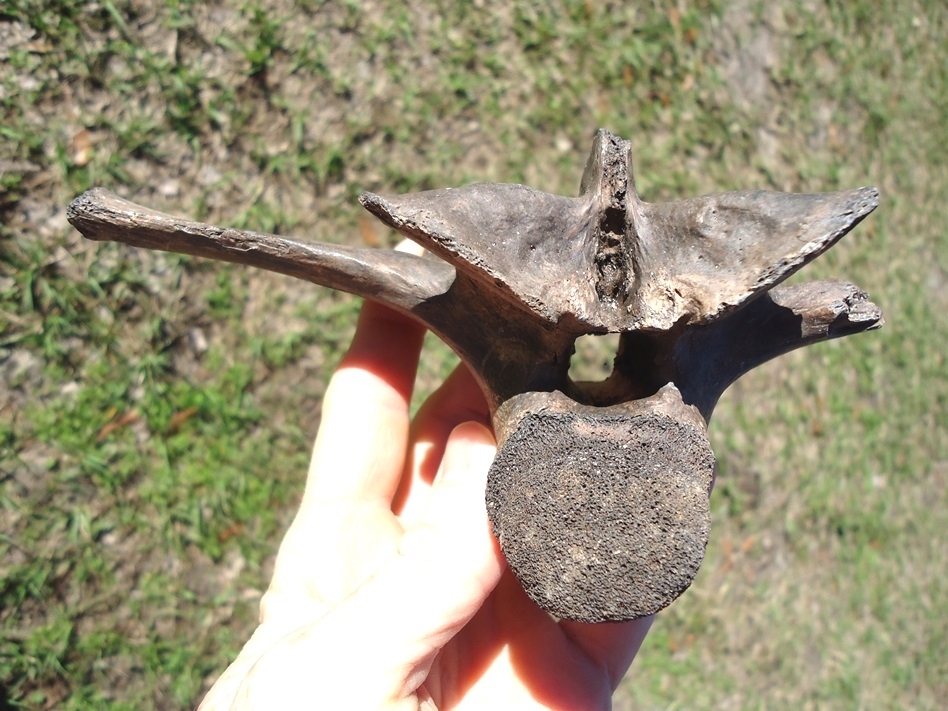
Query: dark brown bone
[599, 493]
[602, 512]
[609, 262]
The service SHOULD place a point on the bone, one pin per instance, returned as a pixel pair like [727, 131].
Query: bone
[399, 279]
[599, 493]
[704, 360]
[602, 513]
[610, 262]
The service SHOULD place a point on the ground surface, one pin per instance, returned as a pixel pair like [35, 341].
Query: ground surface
[156, 412]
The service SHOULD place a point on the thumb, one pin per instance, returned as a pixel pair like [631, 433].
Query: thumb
[450, 544]
[448, 561]
[389, 631]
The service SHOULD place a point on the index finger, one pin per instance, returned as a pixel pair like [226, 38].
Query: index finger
[360, 448]
[458, 399]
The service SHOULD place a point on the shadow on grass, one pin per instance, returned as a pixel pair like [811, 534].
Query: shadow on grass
[5, 704]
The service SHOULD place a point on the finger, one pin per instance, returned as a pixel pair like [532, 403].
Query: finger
[360, 448]
[447, 563]
[344, 528]
[410, 247]
[612, 646]
[366, 405]
[459, 399]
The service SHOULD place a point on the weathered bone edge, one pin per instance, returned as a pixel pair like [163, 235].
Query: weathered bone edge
[599, 492]
[609, 261]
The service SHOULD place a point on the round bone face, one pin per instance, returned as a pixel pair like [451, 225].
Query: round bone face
[602, 513]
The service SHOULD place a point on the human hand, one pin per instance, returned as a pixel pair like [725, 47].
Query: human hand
[389, 591]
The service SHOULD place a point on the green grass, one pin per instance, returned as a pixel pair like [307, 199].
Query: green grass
[156, 412]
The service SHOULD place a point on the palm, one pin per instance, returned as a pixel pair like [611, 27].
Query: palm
[513, 655]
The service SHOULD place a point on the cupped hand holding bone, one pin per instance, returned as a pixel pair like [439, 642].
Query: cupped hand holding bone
[389, 591]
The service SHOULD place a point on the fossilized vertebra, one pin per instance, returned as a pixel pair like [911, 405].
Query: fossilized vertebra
[599, 493]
